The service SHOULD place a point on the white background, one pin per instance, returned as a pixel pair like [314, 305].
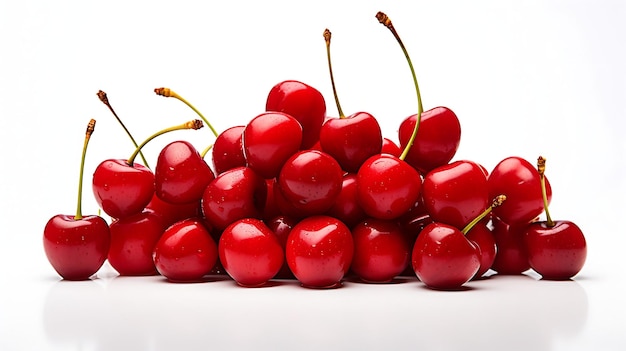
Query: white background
[525, 78]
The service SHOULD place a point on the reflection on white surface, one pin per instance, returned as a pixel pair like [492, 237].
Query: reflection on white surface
[115, 313]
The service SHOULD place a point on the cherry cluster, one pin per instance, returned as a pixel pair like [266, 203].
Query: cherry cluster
[297, 194]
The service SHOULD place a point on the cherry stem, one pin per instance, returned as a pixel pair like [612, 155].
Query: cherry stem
[167, 92]
[194, 124]
[327, 35]
[79, 203]
[105, 100]
[541, 168]
[384, 20]
[497, 201]
[206, 151]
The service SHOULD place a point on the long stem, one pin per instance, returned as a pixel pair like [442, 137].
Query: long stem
[327, 35]
[167, 92]
[384, 19]
[79, 203]
[206, 151]
[105, 100]
[541, 168]
[497, 201]
[195, 124]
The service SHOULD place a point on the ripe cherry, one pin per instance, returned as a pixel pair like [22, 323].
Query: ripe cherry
[77, 246]
[319, 251]
[269, 139]
[250, 252]
[186, 252]
[281, 225]
[227, 150]
[172, 213]
[482, 237]
[511, 256]
[303, 102]
[557, 250]
[346, 207]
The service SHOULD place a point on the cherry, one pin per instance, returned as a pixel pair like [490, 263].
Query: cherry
[455, 193]
[76, 246]
[391, 148]
[381, 250]
[123, 187]
[235, 194]
[319, 251]
[519, 180]
[346, 207]
[305, 103]
[434, 143]
[269, 139]
[227, 150]
[171, 213]
[133, 240]
[443, 257]
[186, 252]
[352, 139]
[482, 237]
[557, 250]
[281, 225]
[250, 252]
[511, 256]
[311, 181]
[181, 174]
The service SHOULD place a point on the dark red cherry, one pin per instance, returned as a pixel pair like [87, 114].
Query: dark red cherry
[482, 237]
[172, 213]
[511, 256]
[227, 151]
[346, 207]
[391, 148]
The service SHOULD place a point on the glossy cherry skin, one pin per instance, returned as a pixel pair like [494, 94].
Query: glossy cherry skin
[387, 187]
[76, 248]
[456, 193]
[281, 226]
[269, 139]
[227, 151]
[311, 180]
[555, 252]
[305, 103]
[482, 237]
[250, 252]
[519, 180]
[235, 194]
[346, 207]
[120, 189]
[172, 213]
[511, 256]
[437, 139]
[443, 258]
[181, 174]
[186, 252]
[319, 251]
[351, 140]
[381, 250]
[133, 240]
[391, 148]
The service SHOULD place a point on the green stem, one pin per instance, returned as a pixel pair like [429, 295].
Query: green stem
[79, 203]
[195, 124]
[327, 35]
[384, 19]
[495, 203]
[206, 151]
[170, 93]
[541, 168]
[105, 100]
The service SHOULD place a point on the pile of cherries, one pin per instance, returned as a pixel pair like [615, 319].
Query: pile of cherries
[296, 194]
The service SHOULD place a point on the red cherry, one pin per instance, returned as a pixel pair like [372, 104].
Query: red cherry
[387, 187]
[133, 240]
[311, 180]
[437, 139]
[281, 226]
[443, 258]
[391, 148]
[172, 213]
[519, 181]
[186, 252]
[235, 194]
[76, 248]
[319, 251]
[455, 193]
[511, 256]
[480, 235]
[181, 175]
[250, 252]
[346, 207]
[557, 251]
[227, 150]
[305, 103]
[269, 140]
[381, 250]
[120, 189]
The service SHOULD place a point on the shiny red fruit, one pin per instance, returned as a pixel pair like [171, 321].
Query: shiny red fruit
[250, 252]
[556, 252]
[319, 251]
[346, 207]
[172, 213]
[76, 248]
[482, 237]
[186, 252]
[227, 151]
[511, 256]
